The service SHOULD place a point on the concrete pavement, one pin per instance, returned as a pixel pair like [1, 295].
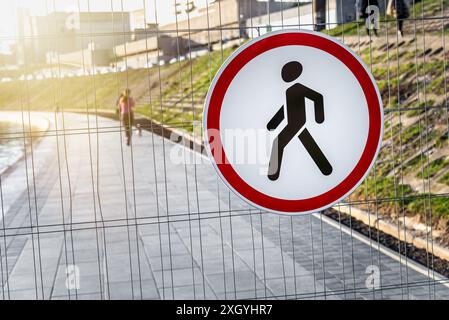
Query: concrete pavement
[154, 222]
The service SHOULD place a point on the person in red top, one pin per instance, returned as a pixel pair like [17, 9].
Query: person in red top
[126, 106]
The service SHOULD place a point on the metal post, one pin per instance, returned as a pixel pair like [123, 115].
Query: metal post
[319, 7]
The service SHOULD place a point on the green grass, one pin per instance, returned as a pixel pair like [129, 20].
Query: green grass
[384, 187]
[439, 206]
[99, 91]
[345, 29]
[415, 162]
[428, 7]
[191, 82]
[432, 168]
[419, 108]
[410, 133]
[444, 179]
[410, 201]
[442, 140]
[415, 112]
[392, 132]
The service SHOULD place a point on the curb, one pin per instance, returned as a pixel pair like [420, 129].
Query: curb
[173, 134]
[400, 232]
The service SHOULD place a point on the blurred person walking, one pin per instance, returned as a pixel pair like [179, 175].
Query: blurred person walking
[117, 103]
[126, 106]
[364, 13]
[400, 10]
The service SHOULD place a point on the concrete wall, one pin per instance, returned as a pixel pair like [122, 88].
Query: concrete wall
[290, 18]
[86, 58]
[210, 18]
[138, 61]
[139, 54]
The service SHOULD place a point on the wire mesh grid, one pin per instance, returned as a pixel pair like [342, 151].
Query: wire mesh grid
[83, 216]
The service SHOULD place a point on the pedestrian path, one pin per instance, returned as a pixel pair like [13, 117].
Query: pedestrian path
[154, 222]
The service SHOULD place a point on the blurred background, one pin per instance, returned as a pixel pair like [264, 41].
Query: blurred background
[77, 56]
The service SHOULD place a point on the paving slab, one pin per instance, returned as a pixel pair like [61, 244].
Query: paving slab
[140, 224]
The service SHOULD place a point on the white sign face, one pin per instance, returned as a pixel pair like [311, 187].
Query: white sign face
[293, 121]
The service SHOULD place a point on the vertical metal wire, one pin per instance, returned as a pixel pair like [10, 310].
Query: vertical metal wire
[313, 255]
[152, 143]
[254, 252]
[221, 237]
[69, 183]
[323, 255]
[423, 156]
[279, 220]
[251, 211]
[373, 174]
[232, 245]
[401, 171]
[33, 175]
[125, 196]
[132, 165]
[164, 166]
[443, 40]
[352, 251]
[5, 268]
[339, 205]
[181, 93]
[229, 192]
[374, 170]
[95, 191]
[59, 167]
[285, 228]
[263, 255]
[350, 209]
[395, 184]
[220, 219]
[426, 174]
[194, 162]
[291, 218]
[37, 264]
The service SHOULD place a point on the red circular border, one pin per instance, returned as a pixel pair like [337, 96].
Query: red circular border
[374, 110]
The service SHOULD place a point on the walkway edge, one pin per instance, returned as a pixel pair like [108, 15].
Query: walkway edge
[404, 234]
[387, 251]
[155, 126]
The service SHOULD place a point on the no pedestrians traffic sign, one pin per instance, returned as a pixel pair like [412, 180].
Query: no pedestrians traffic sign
[293, 121]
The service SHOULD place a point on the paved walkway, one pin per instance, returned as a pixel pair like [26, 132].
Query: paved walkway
[138, 224]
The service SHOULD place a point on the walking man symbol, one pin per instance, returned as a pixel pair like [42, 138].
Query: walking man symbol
[296, 119]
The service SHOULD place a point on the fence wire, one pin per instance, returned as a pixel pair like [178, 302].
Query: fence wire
[84, 216]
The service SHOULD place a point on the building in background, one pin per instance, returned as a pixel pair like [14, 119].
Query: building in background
[62, 33]
[331, 14]
[149, 51]
[221, 20]
[137, 19]
[86, 39]
[224, 22]
[198, 25]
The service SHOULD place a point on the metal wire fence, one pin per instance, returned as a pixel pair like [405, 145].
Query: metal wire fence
[83, 216]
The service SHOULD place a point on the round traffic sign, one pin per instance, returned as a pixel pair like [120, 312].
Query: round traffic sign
[293, 121]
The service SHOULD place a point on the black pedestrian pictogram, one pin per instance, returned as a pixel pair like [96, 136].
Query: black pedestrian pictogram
[296, 118]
